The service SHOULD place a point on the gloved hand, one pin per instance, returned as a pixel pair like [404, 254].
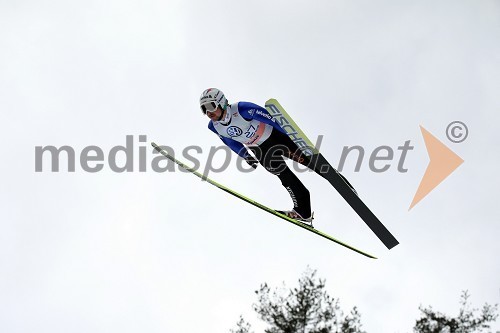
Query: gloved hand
[252, 161]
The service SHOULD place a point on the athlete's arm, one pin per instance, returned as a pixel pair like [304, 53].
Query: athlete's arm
[253, 111]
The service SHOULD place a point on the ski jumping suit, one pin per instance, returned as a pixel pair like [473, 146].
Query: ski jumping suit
[249, 125]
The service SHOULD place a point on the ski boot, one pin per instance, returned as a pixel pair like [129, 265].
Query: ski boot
[296, 216]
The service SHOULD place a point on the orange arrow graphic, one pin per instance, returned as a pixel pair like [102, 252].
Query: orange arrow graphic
[442, 163]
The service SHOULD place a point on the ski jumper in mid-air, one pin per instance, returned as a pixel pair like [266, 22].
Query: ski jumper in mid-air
[245, 125]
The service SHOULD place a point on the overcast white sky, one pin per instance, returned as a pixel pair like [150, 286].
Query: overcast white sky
[164, 252]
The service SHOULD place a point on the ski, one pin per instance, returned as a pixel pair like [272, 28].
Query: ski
[325, 170]
[257, 204]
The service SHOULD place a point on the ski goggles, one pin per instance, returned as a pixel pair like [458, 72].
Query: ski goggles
[208, 107]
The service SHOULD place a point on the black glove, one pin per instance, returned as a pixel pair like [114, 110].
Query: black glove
[252, 161]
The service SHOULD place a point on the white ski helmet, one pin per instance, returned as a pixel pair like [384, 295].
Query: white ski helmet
[211, 98]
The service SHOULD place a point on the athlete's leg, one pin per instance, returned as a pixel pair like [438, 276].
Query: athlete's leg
[296, 154]
[270, 156]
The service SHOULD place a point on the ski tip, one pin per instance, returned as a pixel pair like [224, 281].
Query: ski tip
[271, 101]
[155, 146]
